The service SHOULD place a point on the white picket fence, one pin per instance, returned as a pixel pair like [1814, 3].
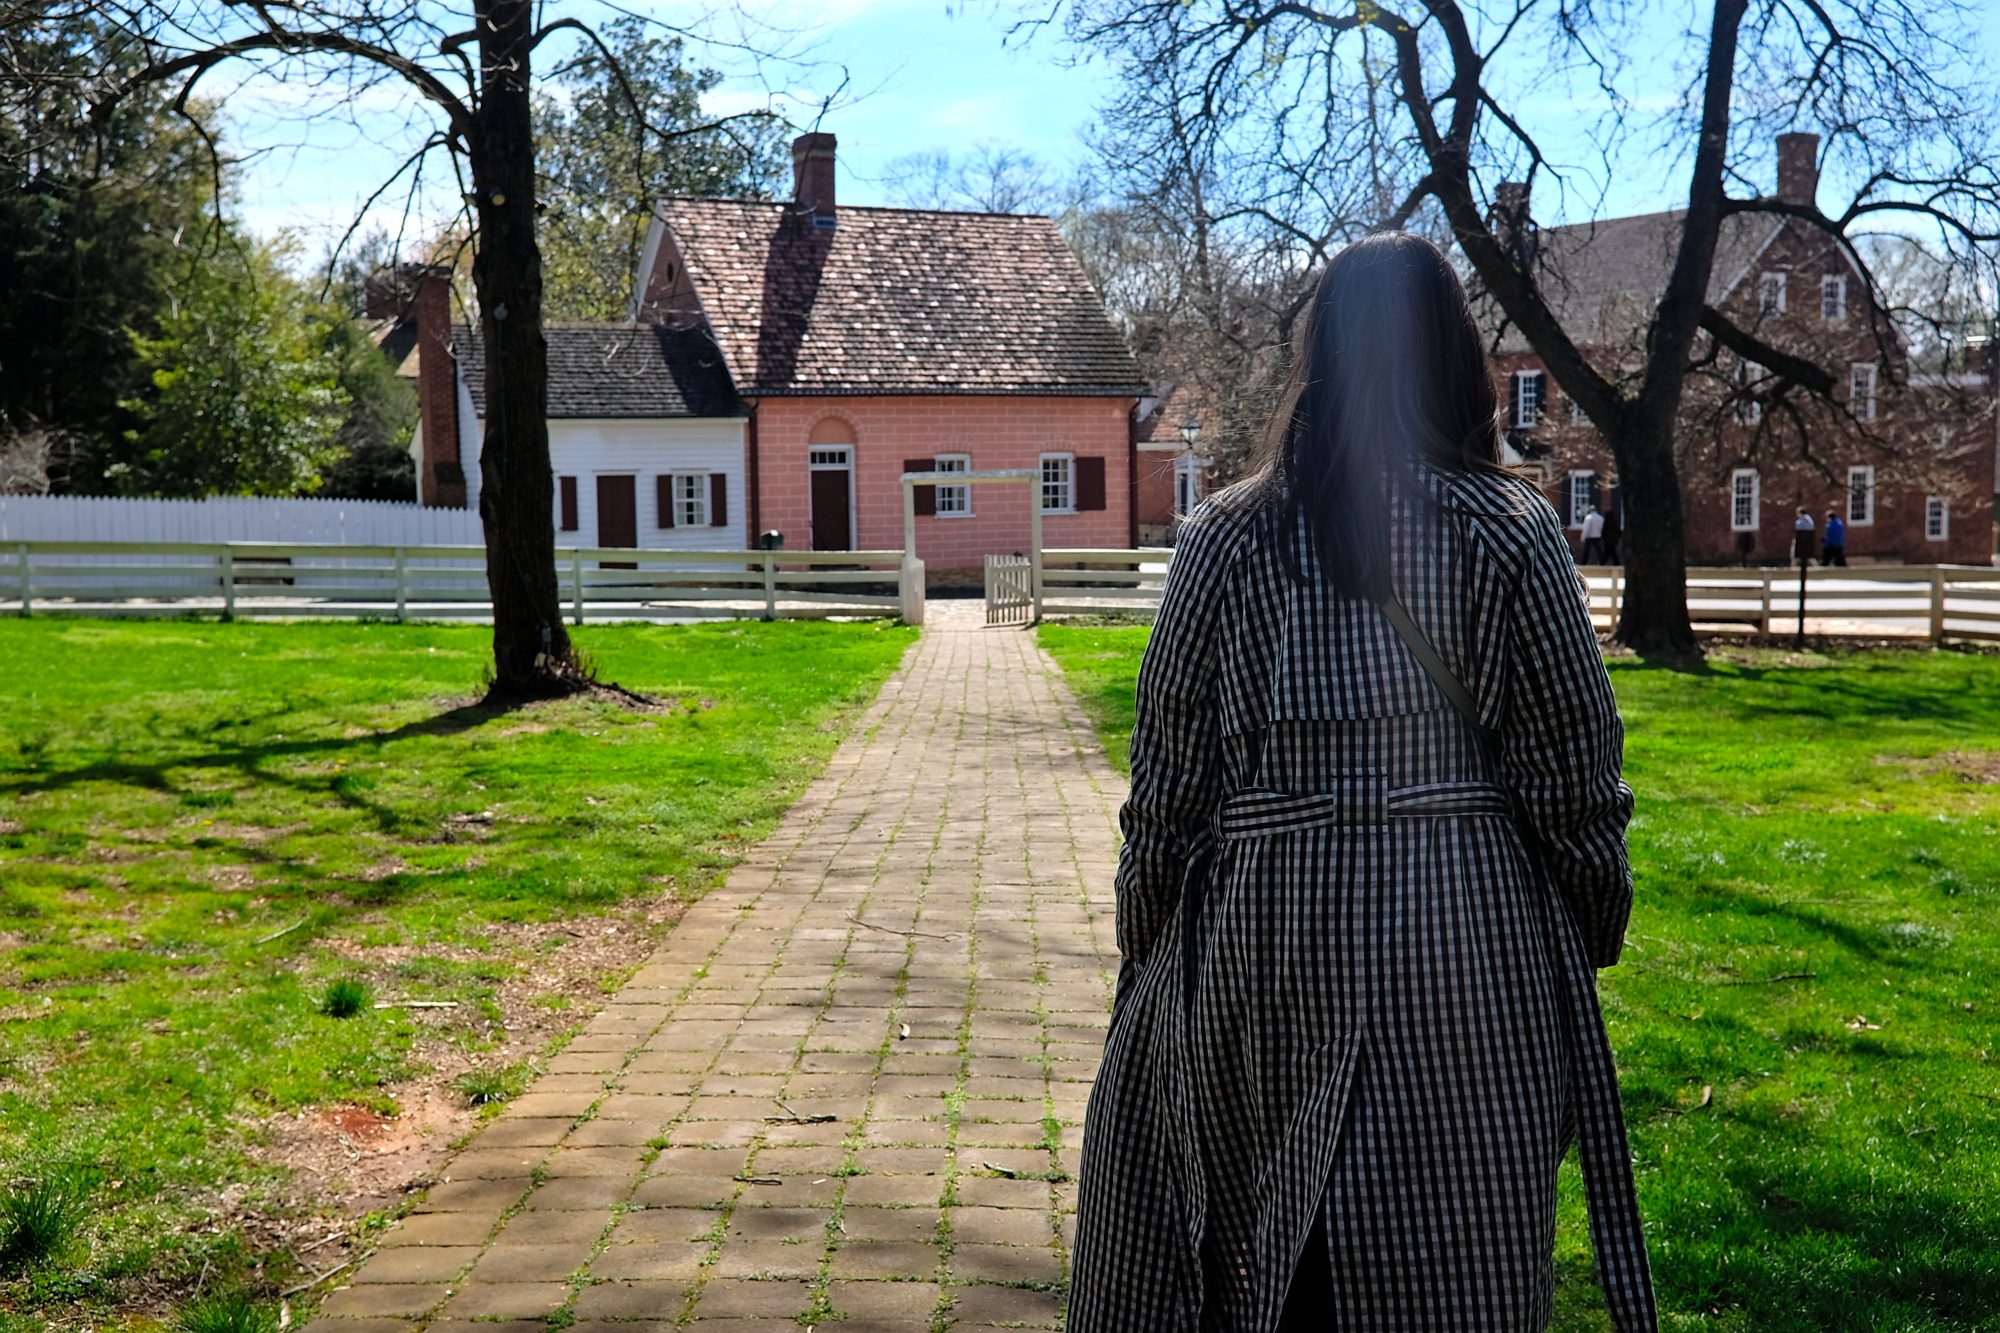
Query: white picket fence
[418, 582]
[80, 518]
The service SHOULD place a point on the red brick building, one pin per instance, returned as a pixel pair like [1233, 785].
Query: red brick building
[1912, 472]
[866, 342]
[1173, 474]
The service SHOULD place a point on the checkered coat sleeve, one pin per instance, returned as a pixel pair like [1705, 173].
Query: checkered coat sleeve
[1358, 935]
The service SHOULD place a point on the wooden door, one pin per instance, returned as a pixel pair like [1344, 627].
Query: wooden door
[617, 515]
[831, 519]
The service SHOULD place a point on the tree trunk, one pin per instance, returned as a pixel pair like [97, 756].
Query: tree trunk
[1653, 614]
[532, 657]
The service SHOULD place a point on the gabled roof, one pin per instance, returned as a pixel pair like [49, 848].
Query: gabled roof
[1181, 403]
[618, 370]
[1604, 279]
[898, 300]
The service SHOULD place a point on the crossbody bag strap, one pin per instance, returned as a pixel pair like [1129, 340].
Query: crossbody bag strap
[1433, 664]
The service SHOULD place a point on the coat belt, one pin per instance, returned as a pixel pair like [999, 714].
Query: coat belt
[1354, 798]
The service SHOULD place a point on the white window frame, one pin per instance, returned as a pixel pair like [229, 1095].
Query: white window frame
[690, 499]
[1527, 418]
[1833, 297]
[1576, 505]
[1063, 489]
[1865, 473]
[952, 501]
[1748, 410]
[1862, 379]
[1771, 294]
[1577, 416]
[1938, 507]
[1187, 484]
[1741, 498]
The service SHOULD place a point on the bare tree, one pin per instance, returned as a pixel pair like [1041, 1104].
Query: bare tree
[24, 461]
[1321, 122]
[474, 69]
[987, 178]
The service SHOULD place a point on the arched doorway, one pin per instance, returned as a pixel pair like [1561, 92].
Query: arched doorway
[830, 481]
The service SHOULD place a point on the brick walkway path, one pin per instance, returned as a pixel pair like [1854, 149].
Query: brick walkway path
[850, 1083]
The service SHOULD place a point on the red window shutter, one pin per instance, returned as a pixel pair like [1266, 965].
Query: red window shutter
[568, 488]
[663, 497]
[926, 496]
[718, 499]
[1089, 484]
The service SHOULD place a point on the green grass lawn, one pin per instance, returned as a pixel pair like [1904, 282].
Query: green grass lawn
[1807, 1014]
[208, 830]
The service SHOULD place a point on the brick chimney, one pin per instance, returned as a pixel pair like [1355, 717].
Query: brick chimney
[1798, 168]
[440, 474]
[812, 178]
[1511, 225]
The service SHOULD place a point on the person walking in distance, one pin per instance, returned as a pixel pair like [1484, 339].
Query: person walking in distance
[1593, 538]
[1374, 853]
[1834, 548]
[1614, 528]
[1802, 536]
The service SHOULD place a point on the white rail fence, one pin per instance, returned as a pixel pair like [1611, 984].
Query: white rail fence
[448, 581]
[1935, 602]
[1103, 582]
[413, 582]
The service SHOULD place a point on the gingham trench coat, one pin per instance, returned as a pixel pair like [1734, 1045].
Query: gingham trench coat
[1348, 987]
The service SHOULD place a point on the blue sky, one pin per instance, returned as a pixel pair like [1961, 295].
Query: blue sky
[921, 75]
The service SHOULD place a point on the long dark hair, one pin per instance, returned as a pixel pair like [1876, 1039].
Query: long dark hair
[1390, 374]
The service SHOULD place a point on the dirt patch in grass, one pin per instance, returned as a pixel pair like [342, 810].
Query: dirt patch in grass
[1974, 767]
[1981, 766]
[345, 1162]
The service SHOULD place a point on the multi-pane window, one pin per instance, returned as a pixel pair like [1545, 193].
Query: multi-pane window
[953, 501]
[1743, 497]
[1937, 518]
[1582, 497]
[691, 499]
[1528, 397]
[1833, 296]
[1861, 390]
[1748, 410]
[1058, 483]
[1771, 294]
[1860, 495]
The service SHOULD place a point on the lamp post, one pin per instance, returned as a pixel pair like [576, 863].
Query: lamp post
[1190, 431]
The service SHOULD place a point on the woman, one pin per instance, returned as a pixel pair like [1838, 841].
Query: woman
[1357, 1026]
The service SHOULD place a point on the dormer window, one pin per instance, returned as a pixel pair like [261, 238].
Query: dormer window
[1771, 294]
[1833, 297]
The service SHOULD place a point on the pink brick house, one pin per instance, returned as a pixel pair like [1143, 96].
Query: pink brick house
[867, 342]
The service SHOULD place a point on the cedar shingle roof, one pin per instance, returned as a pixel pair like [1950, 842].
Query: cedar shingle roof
[1604, 279]
[898, 301]
[618, 370]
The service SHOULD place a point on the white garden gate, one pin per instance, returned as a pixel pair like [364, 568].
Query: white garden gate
[1010, 590]
[913, 568]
